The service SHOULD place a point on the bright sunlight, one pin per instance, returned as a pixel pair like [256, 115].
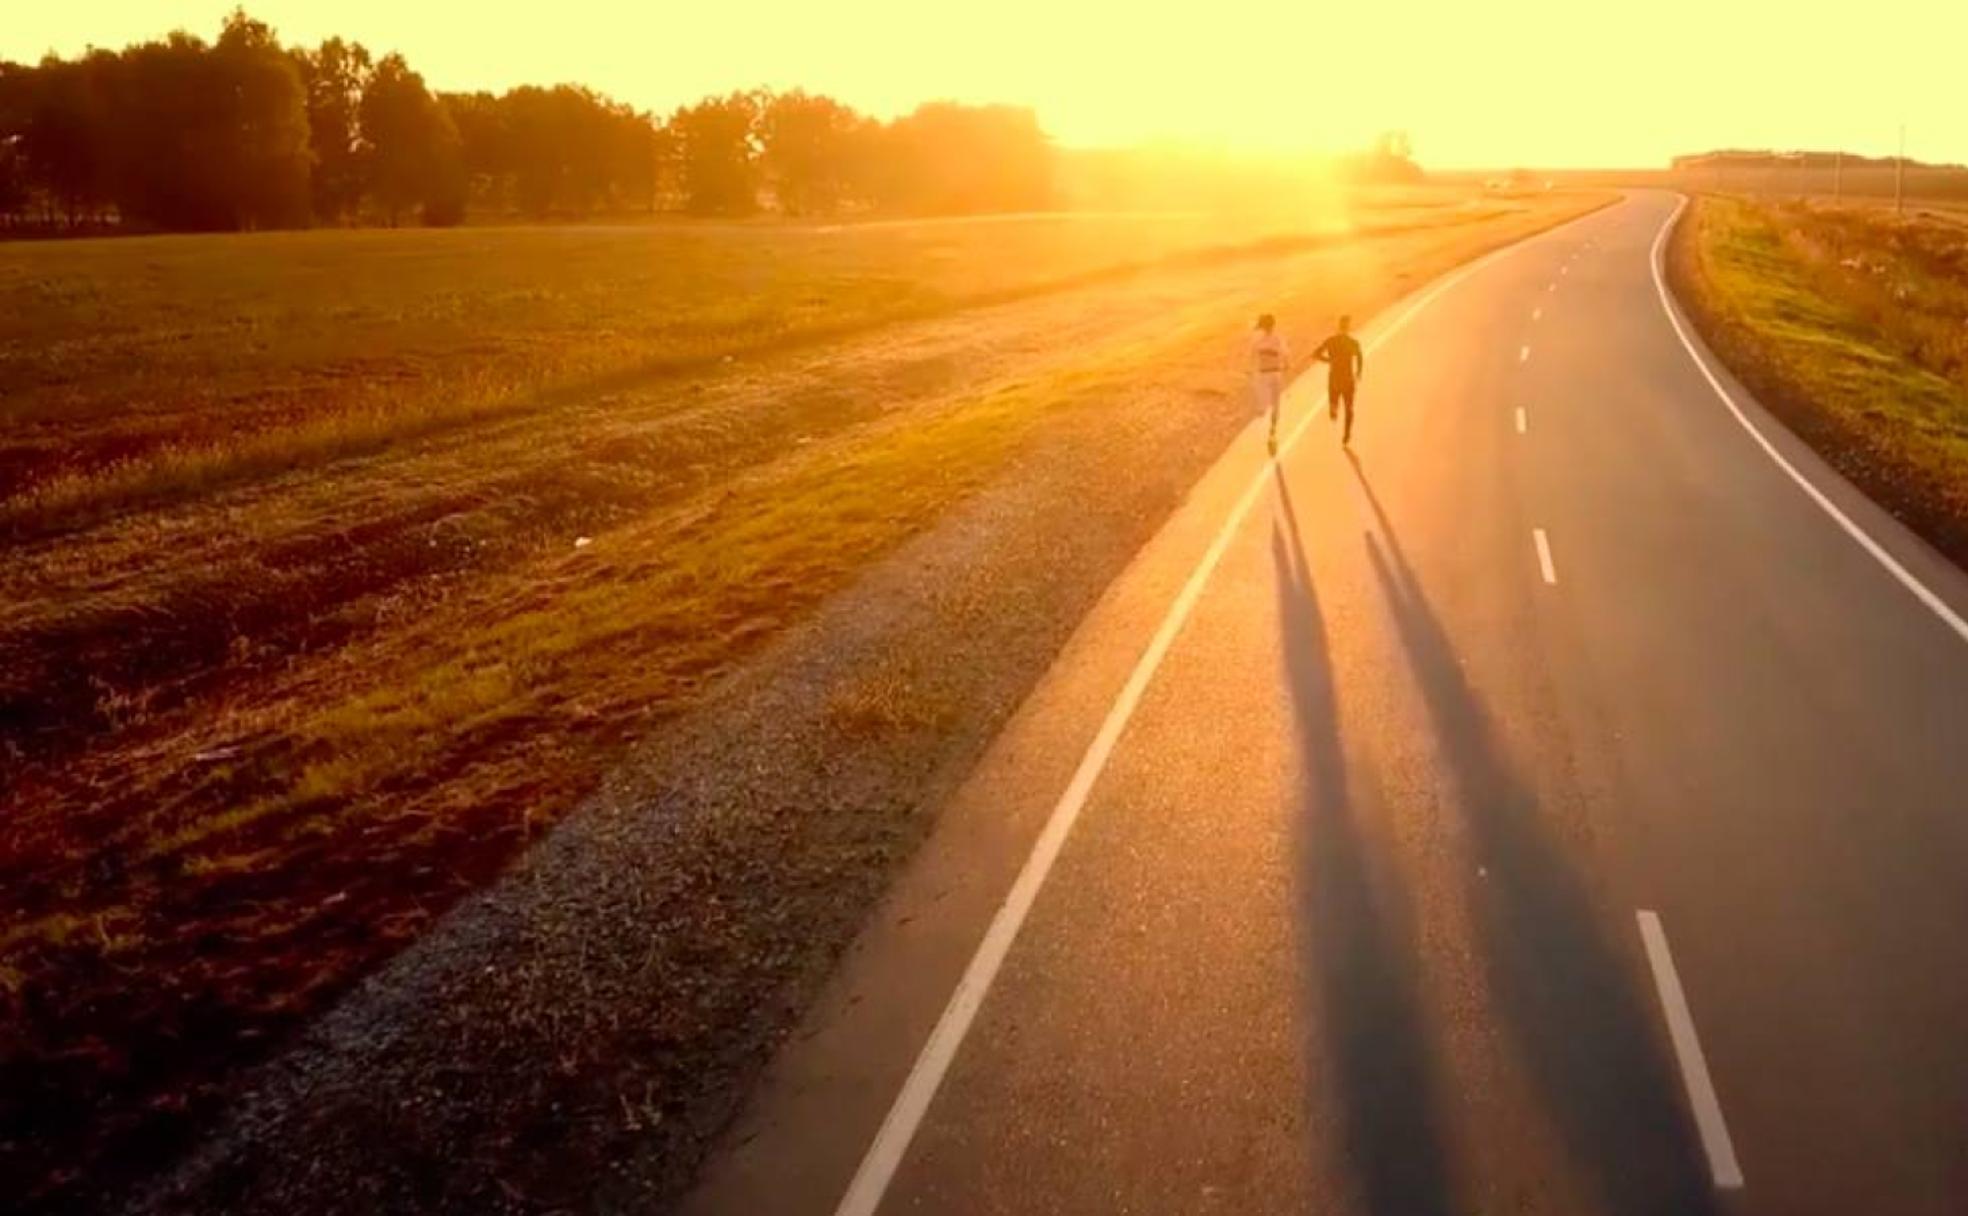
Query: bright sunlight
[1550, 83]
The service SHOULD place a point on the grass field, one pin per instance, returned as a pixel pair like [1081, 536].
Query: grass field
[340, 565]
[321, 344]
[1922, 185]
[1853, 324]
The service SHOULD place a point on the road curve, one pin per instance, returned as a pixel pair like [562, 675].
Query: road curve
[1553, 805]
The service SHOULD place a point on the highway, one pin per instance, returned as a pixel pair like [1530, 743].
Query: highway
[1557, 803]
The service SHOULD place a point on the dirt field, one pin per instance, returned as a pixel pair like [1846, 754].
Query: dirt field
[1852, 323]
[341, 565]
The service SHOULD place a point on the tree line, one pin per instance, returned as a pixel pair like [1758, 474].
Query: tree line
[1764, 158]
[179, 134]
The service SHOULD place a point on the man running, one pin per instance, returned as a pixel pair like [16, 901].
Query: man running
[1345, 364]
[1270, 358]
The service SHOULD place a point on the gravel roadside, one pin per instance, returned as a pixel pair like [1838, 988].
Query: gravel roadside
[755, 832]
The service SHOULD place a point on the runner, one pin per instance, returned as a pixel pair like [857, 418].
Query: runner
[1346, 363]
[1270, 358]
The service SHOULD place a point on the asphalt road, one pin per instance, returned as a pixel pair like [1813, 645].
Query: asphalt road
[1551, 806]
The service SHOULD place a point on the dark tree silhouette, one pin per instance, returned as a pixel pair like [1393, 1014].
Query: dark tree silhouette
[635, 155]
[562, 150]
[334, 76]
[178, 134]
[807, 147]
[64, 141]
[241, 133]
[485, 138]
[16, 100]
[718, 154]
[14, 177]
[412, 153]
[264, 125]
[535, 122]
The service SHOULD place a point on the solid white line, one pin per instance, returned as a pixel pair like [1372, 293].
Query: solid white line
[1523, 354]
[1523, 421]
[884, 1155]
[1907, 579]
[1721, 1151]
[1544, 556]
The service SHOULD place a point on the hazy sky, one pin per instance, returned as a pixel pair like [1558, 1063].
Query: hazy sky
[1548, 82]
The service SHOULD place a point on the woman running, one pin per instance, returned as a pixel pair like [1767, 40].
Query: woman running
[1270, 357]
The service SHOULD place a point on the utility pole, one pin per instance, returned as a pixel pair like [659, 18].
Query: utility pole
[1838, 177]
[1899, 175]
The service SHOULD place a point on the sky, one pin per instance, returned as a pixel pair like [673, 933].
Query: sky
[1546, 83]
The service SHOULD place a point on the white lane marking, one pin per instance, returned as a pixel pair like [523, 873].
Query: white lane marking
[1921, 591]
[1544, 556]
[1566, 268]
[884, 1155]
[1721, 1151]
[1537, 314]
[1523, 354]
[1523, 421]
[1552, 286]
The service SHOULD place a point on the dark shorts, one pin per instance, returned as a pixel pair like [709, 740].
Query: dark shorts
[1339, 390]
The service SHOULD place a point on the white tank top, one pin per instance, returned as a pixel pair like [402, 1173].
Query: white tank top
[1269, 354]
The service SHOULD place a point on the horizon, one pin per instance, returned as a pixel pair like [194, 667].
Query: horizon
[1471, 116]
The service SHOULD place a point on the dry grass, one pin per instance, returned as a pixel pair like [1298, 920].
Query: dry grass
[1853, 324]
[266, 721]
[321, 345]
[1906, 278]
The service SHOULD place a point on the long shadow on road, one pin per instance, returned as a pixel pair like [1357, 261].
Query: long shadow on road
[1580, 1022]
[1363, 955]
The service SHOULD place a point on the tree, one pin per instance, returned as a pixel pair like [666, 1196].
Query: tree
[666, 181]
[806, 149]
[413, 153]
[448, 189]
[637, 152]
[178, 134]
[485, 144]
[267, 129]
[587, 127]
[717, 154]
[560, 149]
[630, 156]
[951, 158]
[205, 138]
[13, 180]
[169, 131]
[1391, 159]
[64, 144]
[16, 103]
[539, 151]
[334, 76]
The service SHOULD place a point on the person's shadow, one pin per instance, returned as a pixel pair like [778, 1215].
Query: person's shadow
[1356, 932]
[1581, 1024]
